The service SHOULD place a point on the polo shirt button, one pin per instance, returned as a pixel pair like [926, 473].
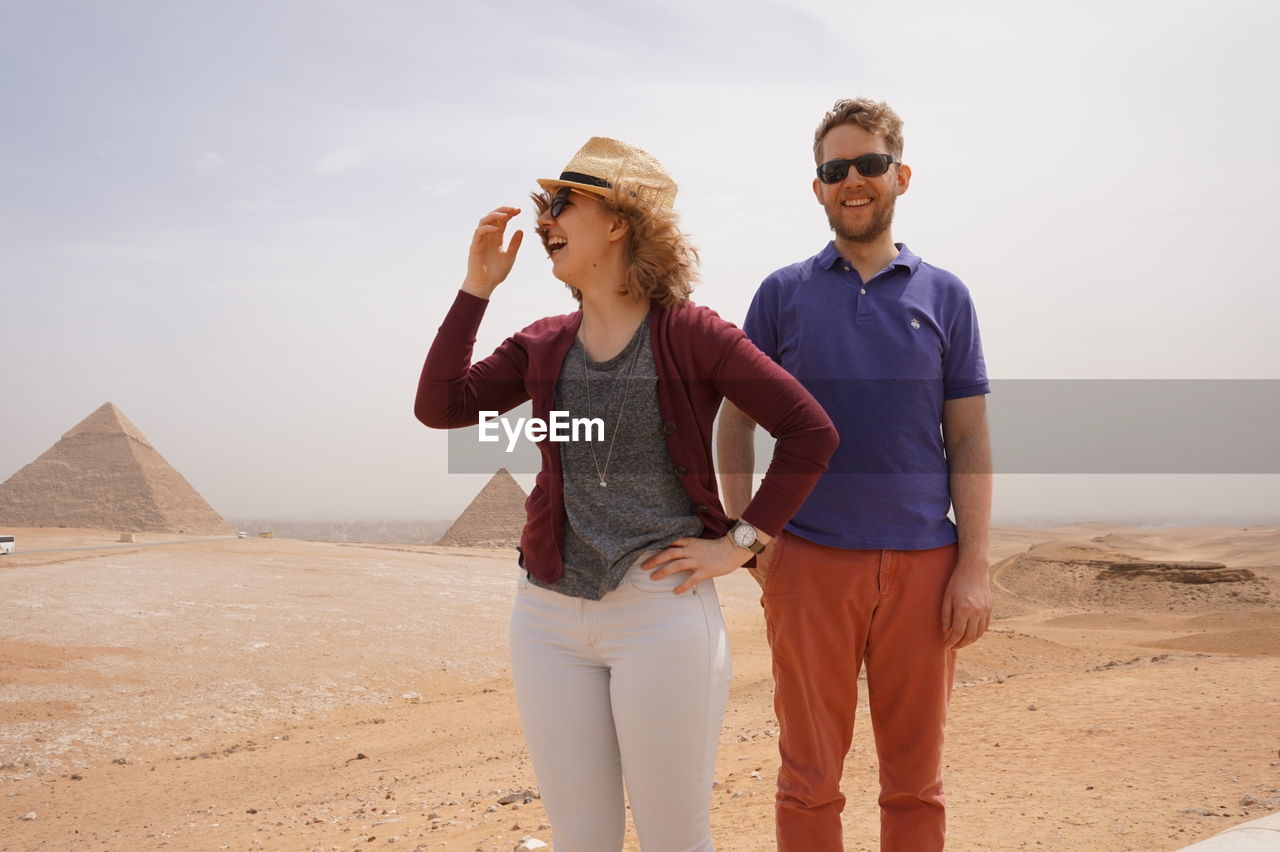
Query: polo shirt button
[680, 471]
[863, 291]
[846, 268]
[669, 428]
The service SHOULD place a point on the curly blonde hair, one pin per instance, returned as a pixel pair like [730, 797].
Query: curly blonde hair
[875, 117]
[662, 265]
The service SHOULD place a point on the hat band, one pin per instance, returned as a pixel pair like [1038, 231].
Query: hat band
[589, 180]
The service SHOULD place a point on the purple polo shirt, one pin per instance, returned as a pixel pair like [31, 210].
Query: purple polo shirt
[881, 357]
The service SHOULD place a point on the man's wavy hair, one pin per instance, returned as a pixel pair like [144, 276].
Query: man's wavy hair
[875, 117]
[662, 265]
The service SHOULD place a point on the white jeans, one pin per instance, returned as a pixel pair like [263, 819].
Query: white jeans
[631, 688]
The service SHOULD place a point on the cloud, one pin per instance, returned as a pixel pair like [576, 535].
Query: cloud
[447, 186]
[339, 161]
[207, 162]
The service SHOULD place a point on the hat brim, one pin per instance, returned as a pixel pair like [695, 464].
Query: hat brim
[552, 184]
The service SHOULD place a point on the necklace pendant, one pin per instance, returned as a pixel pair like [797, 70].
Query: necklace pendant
[603, 483]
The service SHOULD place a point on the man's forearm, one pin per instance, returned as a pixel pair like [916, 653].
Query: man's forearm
[735, 458]
[971, 498]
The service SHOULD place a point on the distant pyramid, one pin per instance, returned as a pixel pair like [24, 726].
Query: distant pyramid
[104, 474]
[494, 518]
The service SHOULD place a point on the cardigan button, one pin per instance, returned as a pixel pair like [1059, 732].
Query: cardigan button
[669, 428]
[680, 471]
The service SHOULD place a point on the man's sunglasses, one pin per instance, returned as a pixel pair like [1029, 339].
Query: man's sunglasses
[868, 165]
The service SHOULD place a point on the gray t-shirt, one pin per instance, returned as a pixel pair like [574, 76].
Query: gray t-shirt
[643, 506]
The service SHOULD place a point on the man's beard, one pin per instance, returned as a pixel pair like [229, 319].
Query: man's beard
[870, 232]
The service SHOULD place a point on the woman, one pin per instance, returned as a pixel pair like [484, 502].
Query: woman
[619, 653]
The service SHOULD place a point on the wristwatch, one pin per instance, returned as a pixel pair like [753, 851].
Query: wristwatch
[744, 535]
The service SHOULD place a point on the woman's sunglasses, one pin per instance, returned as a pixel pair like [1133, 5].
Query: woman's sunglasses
[558, 201]
[868, 165]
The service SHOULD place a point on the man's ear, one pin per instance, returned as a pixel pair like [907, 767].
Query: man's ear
[817, 190]
[904, 178]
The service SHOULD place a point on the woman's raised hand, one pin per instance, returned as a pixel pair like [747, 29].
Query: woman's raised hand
[488, 263]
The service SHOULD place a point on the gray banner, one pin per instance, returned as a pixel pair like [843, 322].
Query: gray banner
[1109, 426]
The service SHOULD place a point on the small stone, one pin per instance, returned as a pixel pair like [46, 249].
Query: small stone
[1032, 707]
[524, 796]
[528, 844]
[29, 816]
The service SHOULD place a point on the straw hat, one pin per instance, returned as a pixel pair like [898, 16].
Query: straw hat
[602, 163]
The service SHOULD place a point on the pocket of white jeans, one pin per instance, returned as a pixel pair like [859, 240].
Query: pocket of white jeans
[643, 580]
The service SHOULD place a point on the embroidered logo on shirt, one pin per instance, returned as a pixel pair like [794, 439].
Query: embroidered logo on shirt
[915, 323]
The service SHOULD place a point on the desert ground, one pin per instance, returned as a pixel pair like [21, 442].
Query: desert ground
[237, 694]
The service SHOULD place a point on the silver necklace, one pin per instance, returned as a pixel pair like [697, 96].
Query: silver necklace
[603, 474]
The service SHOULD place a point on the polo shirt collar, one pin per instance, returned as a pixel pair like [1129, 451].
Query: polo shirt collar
[907, 259]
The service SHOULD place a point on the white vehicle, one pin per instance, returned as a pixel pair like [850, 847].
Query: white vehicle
[7, 544]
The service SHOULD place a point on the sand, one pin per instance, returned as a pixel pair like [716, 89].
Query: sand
[236, 694]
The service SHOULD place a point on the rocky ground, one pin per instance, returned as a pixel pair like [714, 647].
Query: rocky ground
[286, 695]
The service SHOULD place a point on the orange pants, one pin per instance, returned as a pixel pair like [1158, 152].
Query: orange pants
[827, 611]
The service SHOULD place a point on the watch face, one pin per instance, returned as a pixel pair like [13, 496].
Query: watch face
[744, 535]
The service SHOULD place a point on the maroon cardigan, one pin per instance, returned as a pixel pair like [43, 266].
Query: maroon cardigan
[700, 359]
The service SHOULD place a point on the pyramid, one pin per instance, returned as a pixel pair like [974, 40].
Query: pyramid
[494, 518]
[104, 474]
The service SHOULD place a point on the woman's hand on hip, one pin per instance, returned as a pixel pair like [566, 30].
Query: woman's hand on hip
[706, 558]
[488, 264]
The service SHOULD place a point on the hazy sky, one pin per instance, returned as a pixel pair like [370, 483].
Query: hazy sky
[242, 222]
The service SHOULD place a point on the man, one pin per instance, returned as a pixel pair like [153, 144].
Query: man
[871, 569]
